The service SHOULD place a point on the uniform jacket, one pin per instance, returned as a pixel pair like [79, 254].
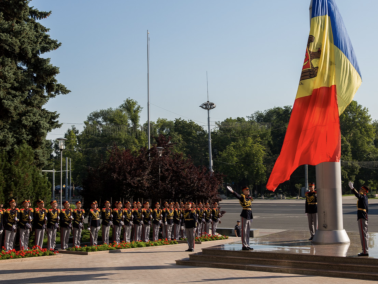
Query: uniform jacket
[26, 216]
[9, 218]
[177, 216]
[156, 216]
[52, 218]
[190, 218]
[168, 216]
[201, 214]
[39, 218]
[128, 213]
[207, 215]
[246, 204]
[362, 205]
[215, 214]
[94, 217]
[311, 202]
[117, 216]
[137, 216]
[2, 219]
[65, 220]
[78, 217]
[106, 214]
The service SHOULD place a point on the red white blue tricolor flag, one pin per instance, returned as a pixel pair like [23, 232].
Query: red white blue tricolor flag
[329, 80]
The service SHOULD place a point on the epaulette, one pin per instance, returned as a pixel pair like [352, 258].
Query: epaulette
[50, 209]
[22, 209]
[36, 209]
[115, 209]
[91, 210]
[31, 209]
[83, 211]
[8, 209]
[306, 193]
[103, 209]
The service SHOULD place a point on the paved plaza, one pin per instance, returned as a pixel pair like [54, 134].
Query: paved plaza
[140, 265]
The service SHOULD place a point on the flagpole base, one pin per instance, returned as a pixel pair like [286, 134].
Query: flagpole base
[331, 237]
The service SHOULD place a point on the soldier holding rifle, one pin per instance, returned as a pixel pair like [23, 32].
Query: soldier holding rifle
[40, 220]
[24, 226]
[78, 224]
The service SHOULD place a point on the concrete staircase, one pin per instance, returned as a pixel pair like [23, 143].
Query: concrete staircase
[344, 267]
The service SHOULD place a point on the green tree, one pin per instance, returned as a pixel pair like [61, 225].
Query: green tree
[27, 79]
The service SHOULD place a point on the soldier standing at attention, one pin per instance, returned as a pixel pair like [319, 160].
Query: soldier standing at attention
[94, 222]
[207, 218]
[246, 202]
[65, 224]
[1, 226]
[168, 221]
[201, 219]
[52, 225]
[177, 218]
[78, 224]
[215, 218]
[312, 210]
[190, 221]
[11, 218]
[163, 228]
[183, 231]
[138, 223]
[40, 220]
[24, 226]
[107, 217]
[147, 217]
[128, 219]
[362, 216]
[156, 221]
[117, 222]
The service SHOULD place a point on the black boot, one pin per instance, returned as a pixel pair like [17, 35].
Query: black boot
[363, 254]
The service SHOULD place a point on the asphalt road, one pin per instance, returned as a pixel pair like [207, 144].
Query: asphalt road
[290, 216]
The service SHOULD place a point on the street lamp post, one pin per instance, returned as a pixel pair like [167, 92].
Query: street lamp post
[160, 153]
[61, 142]
[209, 106]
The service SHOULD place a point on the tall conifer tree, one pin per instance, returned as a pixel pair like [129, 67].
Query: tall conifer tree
[27, 81]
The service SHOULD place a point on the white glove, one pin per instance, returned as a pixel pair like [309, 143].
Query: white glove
[165, 223]
[82, 217]
[58, 218]
[182, 228]
[110, 223]
[230, 189]
[131, 223]
[71, 217]
[16, 219]
[45, 218]
[121, 223]
[351, 185]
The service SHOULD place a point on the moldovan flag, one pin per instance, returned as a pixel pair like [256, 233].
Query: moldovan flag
[329, 80]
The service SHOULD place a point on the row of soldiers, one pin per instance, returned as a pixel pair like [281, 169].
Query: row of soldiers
[173, 221]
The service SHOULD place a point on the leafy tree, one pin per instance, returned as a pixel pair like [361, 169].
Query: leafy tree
[27, 80]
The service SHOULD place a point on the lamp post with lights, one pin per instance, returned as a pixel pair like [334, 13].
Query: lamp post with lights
[209, 106]
[62, 146]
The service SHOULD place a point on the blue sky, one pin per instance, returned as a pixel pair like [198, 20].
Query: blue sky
[253, 51]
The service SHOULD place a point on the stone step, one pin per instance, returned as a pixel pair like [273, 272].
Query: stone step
[291, 256]
[281, 269]
[285, 263]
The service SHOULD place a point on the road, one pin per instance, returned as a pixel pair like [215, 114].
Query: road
[289, 215]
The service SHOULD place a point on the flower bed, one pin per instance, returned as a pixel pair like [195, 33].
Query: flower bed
[34, 252]
[207, 238]
[122, 245]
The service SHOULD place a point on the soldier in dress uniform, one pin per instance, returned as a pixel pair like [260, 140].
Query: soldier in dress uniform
[156, 221]
[1, 226]
[138, 222]
[40, 220]
[182, 228]
[215, 218]
[11, 218]
[78, 224]
[52, 224]
[201, 219]
[25, 224]
[163, 228]
[117, 222]
[107, 221]
[207, 218]
[312, 210]
[246, 203]
[168, 221]
[362, 216]
[128, 219]
[66, 218]
[190, 221]
[94, 222]
[177, 218]
[147, 217]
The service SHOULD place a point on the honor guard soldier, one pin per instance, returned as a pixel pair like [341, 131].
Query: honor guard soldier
[94, 222]
[156, 221]
[65, 225]
[52, 224]
[312, 210]
[215, 218]
[147, 217]
[107, 221]
[128, 219]
[117, 222]
[177, 218]
[138, 222]
[168, 221]
[78, 224]
[190, 221]
[362, 216]
[182, 228]
[207, 218]
[1, 226]
[201, 219]
[163, 228]
[11, 218]
[246, 215]
[40, 220]
[25, 224]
